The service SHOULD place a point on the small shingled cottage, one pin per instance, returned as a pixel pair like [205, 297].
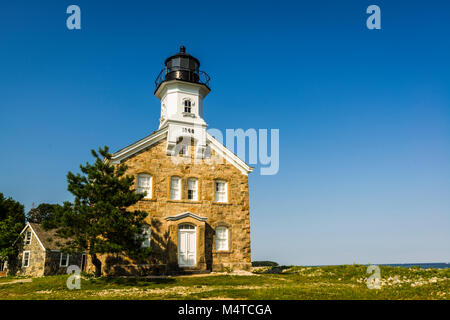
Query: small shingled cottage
[39, 253]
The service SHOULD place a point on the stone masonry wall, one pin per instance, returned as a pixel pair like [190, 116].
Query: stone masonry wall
[37, 258]
[53, 259]
[234, 214]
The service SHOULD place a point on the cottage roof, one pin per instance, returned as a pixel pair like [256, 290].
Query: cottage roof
[47, 238]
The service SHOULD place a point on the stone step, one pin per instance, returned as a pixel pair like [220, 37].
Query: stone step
[189, 271]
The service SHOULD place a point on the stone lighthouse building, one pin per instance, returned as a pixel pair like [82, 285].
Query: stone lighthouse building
[196, 190]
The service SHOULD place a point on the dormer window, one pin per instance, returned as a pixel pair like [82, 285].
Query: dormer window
[187, 106]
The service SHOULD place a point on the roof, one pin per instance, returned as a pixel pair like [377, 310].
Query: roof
[182, 54]
[47, 238]
[185, 215]
[159, 135]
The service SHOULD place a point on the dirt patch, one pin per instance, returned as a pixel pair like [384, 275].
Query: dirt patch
[16, 281]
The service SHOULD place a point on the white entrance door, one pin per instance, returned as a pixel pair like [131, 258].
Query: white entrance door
[187, 245]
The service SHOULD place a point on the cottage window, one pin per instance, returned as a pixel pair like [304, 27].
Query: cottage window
[27, 237]
[26, 259]
[145, 236]
[175, 188]
[222, 238]
[64, 260]
[144, 185]
[221, 191]
[192, 189]
[3, 265]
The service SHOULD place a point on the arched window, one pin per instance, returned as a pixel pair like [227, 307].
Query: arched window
[221, 238]
[175, 188]
[186, 226]
[144, 185]
[192, 189]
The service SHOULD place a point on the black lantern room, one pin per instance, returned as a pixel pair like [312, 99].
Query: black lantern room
[184, 67]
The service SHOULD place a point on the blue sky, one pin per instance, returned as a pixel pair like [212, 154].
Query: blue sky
[364, 115]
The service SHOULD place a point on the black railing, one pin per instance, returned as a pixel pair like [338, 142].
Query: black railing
[182, 74]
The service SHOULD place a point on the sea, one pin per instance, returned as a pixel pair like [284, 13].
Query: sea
[437, 265]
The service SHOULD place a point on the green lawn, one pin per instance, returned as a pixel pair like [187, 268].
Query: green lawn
[336, 282]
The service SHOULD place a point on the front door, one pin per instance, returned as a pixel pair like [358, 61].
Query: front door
[187, 245]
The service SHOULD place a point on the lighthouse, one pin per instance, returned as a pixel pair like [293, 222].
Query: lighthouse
[198, 214]
[181, 88]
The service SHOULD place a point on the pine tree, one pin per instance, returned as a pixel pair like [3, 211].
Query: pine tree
[99, 220]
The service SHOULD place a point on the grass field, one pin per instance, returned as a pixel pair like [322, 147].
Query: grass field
[334, 282]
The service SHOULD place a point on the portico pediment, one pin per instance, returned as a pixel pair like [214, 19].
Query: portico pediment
[186, 215]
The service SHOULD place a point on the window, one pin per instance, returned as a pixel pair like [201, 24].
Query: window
[183, 150]
[144, 185]
[186, 226]
[222, 238]
[27, 237]
[145, 236]
[175, 188]
[187, 106]
[26, 259]
[192, 189]
[3, 265]
[221, 191]
[64, 260]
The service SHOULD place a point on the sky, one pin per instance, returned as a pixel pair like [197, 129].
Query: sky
[363, 115]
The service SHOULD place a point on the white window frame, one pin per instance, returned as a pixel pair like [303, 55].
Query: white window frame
[194, 190]
[221, 196]
[175, 193]
[187, 106]
[3, 265]
[148, 189]
[28, 241]
[222, 240]
[146, 236]
[67, 259]
[28, 260]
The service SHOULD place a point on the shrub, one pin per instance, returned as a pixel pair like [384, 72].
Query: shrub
[264, 264]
